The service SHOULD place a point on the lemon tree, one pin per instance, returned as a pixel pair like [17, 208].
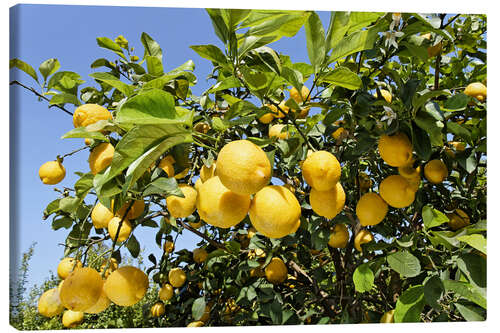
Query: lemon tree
[350, 188]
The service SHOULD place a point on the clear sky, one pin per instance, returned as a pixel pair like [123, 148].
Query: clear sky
[68, 33]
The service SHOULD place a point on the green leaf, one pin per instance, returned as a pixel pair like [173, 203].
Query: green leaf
[433, 110]
[339, 24]
[256, 80]
[421, 142]
[431, 126]
[433, 217]
[421, 99]
[198, 308]
[83, 132]
[253, 42]
[292, 76]
[84, 184]
[49, 67]
[355, 42]
[469, 162]
[227, 83]
[282, 24]
[165, 187]
[63, 98]
[51, 208]
[433, 291]
[457, 102]
[65, 81]
[359, 20]
[270, 59]
[343, 77]
[471, 312]
[474, 268]
[69, 204]
[232, 17]
[220, 27]
[151, 47]
[409, 305]
[19, 64]
[63, 222]
[315, 40]
[404, 263]
[210, 52]
[109, 44]
[113, 81]
[102, 62]
[133, 246]
[458, 130]
[154, 65]
[467, 291]
[240, 109]
[363, 278]
[477, 241]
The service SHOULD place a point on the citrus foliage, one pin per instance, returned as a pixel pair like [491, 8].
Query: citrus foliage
[395, 84]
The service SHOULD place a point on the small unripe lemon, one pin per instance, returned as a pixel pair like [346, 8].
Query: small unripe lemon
[49, 304]
[169, 247]
[182, 207]
[202, 127]
[133, 212]
[177, 277]
[276, 271]
[371, 209]
[207, 172]
[72, 319]
[397, 191]
[277, 131]
[81, 289]
[388, 317]
[476, 90]
[458, 219]
[243, 167]
[126, 286]
[435, 171]
[101, 157]
[88, 114]
[199, 255]
[52, 172]
[158, 309]
[339, 236]
[362, 237]
[101, 216]
[198, 323]
[66, 266]
[395, 150]
[166, 292]
[125, 229]
[328, 203]
[321, 170]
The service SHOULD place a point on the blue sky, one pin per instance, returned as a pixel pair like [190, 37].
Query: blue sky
[68, 33]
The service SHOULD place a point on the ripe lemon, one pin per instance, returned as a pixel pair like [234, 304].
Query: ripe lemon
[166, 292]
[395, 150]
[362, 237]
[371, 209]
[198, 323]
[321, 170]
[301, 98]
[125, 229]
[72, 319]
[126, 286]
[102, 304]
[134, 212]
[101, 216]
[52, 172]
[435, 171]
[328, 203]
[66, 266]
[277, 131]
[339, 236]
[458, 219]
[219, 206]
[101, 157]
[476, 90]
[168, 246]
[167, 164]
[182, 207]
[388, 317]
[88, 141]
[207, 173]
[458, 146]
[385, 94]
[158, 309]
[338, 133]
[81, 289]
[397, 191]
[276, 271]
[49, 304]
[284, 110]
[243, 167]
[275, 212]
[268, 117]
[88, 114]
[177, 277]
[197, 184]
[199, 255]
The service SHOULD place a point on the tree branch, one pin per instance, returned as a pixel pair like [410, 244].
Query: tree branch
[193, 230]
[41, 96]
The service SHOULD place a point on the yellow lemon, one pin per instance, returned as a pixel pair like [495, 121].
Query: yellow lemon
[338, 133]
[199, 255]
[458, 146]
[207, 173]
[395, 150]
[198, 323]
[177, 277]
[182, 207]
[88, 114]
[371, 209]
[476, 90]
[81, 289]
[167, 164]
[362, 237]
[197, 184]
[72, 319]
[397, 191]
[101, 157]
[52, 172]
[328, 203]
[49, 304]
[125, 229]
[435, 171]
[321, 170]
[66, 266]
[268, 117]
[166, 292]
[409, 172]
[243, 167]
[275, 212]
[158, 309]
[339, 236]
[277, 131]
[284, 110]
[219, 206]
[276, 271]
[388, 317]
[101, 216]
[458, 219]
[88, 141]
[168, 246]
[304, 96]
[102, 304]
[134, 212]
[126, 286]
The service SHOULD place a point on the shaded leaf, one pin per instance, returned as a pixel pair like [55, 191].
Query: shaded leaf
[404, 263]
[409, 305]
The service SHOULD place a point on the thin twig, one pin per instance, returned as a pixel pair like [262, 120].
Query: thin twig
[41, 96]
[193, 230]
